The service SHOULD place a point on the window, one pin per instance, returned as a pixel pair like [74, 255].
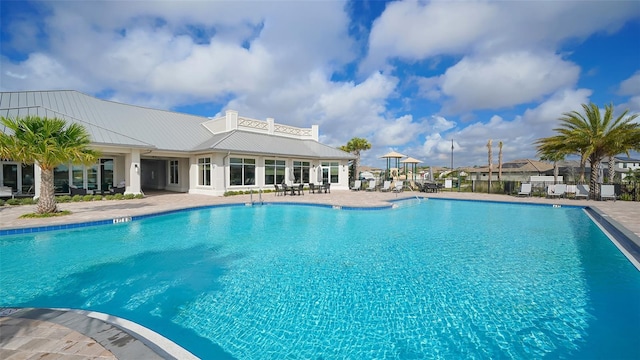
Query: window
[330, 172]
[242, 171]
[61, 179]
[204, 171]
[173, 172]
[274, 171]
[301, 171]
[77, 175]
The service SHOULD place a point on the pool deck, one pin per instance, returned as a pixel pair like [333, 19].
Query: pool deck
[76, 334]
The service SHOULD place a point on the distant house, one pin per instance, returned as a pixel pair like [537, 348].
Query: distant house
[150, 149]
[622, 165]
[516, 170]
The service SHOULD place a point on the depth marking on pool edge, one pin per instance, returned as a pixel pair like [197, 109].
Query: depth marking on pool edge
[122, 219]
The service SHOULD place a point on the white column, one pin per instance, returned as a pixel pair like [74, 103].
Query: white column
[132, 172]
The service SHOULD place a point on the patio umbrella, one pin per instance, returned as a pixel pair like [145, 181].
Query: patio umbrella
[292, 175]
[414, 163]
[319, 174]
[431, 173]
[392, 155]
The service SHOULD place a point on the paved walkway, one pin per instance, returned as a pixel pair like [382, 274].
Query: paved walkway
[56, 334]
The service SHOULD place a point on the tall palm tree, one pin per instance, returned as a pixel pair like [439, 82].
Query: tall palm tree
[356, 146]
[489, 144]
[594, 135]
[48, 143]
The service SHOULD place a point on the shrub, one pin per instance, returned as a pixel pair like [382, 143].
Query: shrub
[87, 197]
[109, 197]
[118, 196]
[139, 196]
[13, 202]
[63, 198]
[97, 197]
[76, 198]
[626, 197]
[27, 201]
[129, 196]
[1, 202]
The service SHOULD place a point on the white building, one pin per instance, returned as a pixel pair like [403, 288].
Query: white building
[150, 149]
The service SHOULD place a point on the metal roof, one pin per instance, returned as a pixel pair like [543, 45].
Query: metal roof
[248, 142]
[112, 123]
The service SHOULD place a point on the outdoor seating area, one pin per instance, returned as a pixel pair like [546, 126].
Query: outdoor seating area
[298, 189]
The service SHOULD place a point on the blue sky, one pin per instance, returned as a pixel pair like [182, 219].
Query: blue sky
[408, 76]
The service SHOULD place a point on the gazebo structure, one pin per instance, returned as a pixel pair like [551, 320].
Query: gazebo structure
[389, 156]
[414, 163]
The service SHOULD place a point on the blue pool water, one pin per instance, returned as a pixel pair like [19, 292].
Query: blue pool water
[438, 279]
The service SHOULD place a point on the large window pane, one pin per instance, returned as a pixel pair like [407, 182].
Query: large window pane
[106, 174]
[92, 177]
[27, 179]
[10, 176]
[274, 171]
[204, 171]
[61, 179]
[242, 171]
[77, 174]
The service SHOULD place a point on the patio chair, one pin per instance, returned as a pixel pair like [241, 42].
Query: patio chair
[6, 191]
[326, 187]
[386, 186]
[312, 188]
[372, 185]
[117, 190]
[607, 192]
[398, 187]
[78, 191]
[525, 190]
[582, 191]
[557, 190]
[357, 185]
[278, 189]
[300, 189]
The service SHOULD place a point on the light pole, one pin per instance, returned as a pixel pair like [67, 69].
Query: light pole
[451, 158]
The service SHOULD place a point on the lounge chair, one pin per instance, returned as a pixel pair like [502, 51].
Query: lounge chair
[78, 191]
[582, 191]
[357, 185]
[372, 185]
[6, 191]
[525, 190]
[117, 190]
[398, 187]
[607, 192]
[386, 186]
[557, 191]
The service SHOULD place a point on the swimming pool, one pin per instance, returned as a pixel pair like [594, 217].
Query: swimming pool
[440, 279]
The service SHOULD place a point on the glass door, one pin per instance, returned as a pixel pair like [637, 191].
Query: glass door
[10, 176]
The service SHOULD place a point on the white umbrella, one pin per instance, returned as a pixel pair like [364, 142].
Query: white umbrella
[430, 173]
[319, 174]
[292, 176]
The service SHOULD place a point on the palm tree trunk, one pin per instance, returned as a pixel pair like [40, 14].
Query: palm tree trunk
[47, 200]
[583, 164]
[556, 172]
[594, 188]
[356, 164]
[612, 171]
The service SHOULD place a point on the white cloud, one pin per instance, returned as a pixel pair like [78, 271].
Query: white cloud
[503, 80]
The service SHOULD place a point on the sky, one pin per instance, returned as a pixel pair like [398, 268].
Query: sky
[408, 76]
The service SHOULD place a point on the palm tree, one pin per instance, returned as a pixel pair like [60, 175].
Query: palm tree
[356, 146]
[48, 143]
[593, 135]
[489, 144]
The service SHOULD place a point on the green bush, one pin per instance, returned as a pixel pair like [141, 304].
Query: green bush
[626, 197]
[118, 196]
[97, 197]
[1, 202]
[109, 197]
[63, 199]
[87, 197]
[129, 196]
[13, 202]
[76, 198]
[27, 201]
[139, 196]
